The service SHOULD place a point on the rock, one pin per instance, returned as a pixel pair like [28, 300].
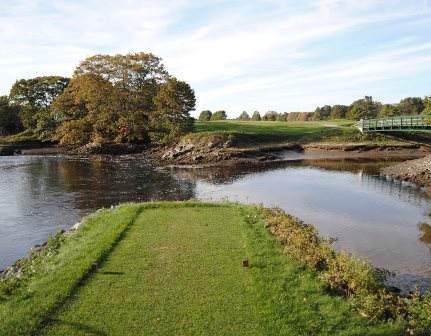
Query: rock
[8, 150]
[417, 171]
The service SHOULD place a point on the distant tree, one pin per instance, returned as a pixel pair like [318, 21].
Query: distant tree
[317, 114]
[205, 115]
[244, 116]
[339, 111]
[325, 112]
[270, 116]
[427, 105]
[411, 106]
[173, 104]
[35, 97]
[283, 116]
[9, 117]
[219, 115]
[293, 116]
[305, 116]
[389, 110]
[363, 108]
[256, 116]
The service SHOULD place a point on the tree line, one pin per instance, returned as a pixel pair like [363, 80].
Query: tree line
[368, 108]
[363, 108]
[207, 115]
[120, 98]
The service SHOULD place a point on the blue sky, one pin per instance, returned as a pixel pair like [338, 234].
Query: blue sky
[237, 55]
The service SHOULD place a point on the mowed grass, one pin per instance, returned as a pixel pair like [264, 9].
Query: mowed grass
[177, 271]
[256, 133]
[270, 127]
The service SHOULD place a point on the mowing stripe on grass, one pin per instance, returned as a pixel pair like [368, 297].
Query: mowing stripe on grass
[175, 272]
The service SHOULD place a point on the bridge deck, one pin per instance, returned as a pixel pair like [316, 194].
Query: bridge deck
[400, 123]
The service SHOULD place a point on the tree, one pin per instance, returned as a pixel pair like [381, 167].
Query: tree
[363, 108]
[256, 116]
[339, 111]
[35, 97]
[219, 115]
[427, 105]
[411, 106]
[173, 103]
[205, 115]
[244, 116]
[325, 112]
[90, 102]
[270, 116]
[118, 96]
[317, 115]
[389, 110]
[9, 117]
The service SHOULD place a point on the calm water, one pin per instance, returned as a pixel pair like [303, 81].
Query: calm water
[383, 220]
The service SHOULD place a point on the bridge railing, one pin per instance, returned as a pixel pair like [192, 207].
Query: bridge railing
[399, 123]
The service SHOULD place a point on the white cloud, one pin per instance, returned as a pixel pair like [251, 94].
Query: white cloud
[261, 54]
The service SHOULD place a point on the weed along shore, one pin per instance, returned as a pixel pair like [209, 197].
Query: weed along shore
[195, 268]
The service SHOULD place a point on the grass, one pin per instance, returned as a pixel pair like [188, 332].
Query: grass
[254, 133]
[23, 137]
[26, 311]
[175, 268]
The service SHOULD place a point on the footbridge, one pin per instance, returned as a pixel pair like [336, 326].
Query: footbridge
[396, 124]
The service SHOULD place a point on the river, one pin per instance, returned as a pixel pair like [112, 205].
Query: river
[383, 220]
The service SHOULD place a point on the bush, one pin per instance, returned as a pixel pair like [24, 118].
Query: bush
[352, 277]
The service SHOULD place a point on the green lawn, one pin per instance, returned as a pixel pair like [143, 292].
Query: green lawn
[257, 133]
[175, 269]
[179, 272]
[270, 127]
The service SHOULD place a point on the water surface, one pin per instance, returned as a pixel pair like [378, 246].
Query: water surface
[383, 220]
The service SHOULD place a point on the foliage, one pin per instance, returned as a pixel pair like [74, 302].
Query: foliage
[256, 116]
[9, 117]
[352, 277]
[427, 105]
[411, 106]
[244, 116]
[219, 115]
[270, 116]
[122, 98]
[363, 108]
[205, 115]
[389, 110]
[35, 96]
[339, 111]
[173, 104]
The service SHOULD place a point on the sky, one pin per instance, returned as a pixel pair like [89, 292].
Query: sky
[237, 55]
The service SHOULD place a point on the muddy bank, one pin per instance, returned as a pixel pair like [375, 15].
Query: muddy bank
[417, 171]
[221, 152]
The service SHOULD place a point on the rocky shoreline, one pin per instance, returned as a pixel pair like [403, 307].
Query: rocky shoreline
[417, 171]
[221, 151]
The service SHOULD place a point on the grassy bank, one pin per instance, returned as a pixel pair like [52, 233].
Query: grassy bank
[254, 133]
[175, 268]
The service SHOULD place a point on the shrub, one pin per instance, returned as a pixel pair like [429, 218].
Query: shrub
[349, 276]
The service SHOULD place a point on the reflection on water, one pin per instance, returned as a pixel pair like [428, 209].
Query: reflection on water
[370, 215]
[347, 199]
[39, 195]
